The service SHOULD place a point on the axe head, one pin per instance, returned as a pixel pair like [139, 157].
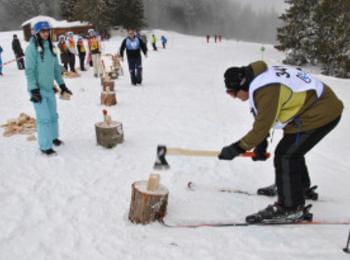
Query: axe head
[161, 163]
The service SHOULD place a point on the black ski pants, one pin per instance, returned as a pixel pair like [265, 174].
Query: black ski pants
[292, 176]
[135, 68]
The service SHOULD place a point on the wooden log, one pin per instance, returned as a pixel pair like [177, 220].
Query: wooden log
[147, 206]
[105, 78]
[109, 135]
[153, 182]
[108, 98]
[108, 84]
[65, 96]
[113, 74]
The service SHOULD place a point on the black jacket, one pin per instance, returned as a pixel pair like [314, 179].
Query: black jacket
[133, 53]
[16, 47]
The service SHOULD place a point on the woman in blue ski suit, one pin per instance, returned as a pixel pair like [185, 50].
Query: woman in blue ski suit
[42, 69]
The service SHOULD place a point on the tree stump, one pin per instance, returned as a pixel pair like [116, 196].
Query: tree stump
[108, 85]
[113, 74]
[105, 78]
[148, 205]
[109, 135]
[108, 98]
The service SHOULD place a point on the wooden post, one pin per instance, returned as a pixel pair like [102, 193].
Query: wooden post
[113, 74]
[108, 98]
[109, 134]
[65, 96]
[108, 84]
[105, 79]
[148, 205]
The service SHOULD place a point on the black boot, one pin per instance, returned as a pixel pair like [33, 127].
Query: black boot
[276, 214]
[270, 191]
[57, 142]
[310, 193]
[49, 152]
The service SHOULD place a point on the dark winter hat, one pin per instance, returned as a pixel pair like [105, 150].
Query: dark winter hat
[15, 36]
[236, 79]
[239, 78]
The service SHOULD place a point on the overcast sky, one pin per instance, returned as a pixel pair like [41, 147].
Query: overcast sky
[261, 5]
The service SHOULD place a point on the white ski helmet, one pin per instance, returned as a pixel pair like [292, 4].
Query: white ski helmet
[61, 37]
[91, 32]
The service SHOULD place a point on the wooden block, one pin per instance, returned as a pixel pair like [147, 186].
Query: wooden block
[108, 84]
[108, 98]
[65, 96]
[110, 135]
[153, 182]
[147, 206]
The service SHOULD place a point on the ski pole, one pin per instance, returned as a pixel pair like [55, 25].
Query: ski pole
[346, 248]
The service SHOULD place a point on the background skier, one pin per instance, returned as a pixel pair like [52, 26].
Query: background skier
[19, 54]
[82, 52]
[154, 42]
[42, 69]
[64, 53]
[133, 46]
[164, 41]
[95, 51]
[71, 50]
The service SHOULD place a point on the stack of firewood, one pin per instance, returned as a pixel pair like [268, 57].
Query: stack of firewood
[23, 124]
[108, 96]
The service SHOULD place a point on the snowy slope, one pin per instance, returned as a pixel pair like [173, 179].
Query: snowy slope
[75, 205]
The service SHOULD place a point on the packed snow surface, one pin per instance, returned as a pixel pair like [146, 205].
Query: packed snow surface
[75, 205]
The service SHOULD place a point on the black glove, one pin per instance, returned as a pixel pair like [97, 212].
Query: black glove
[65, 89]
[36, 96]
[260, 152]
[230, 152]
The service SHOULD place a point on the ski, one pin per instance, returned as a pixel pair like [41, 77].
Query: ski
[193, 187]
[244, 224]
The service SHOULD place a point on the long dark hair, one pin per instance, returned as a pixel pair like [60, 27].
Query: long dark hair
[39, 43]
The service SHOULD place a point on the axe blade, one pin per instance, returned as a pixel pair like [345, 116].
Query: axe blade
[161, 163]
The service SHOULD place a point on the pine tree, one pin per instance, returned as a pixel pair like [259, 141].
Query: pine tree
[296, 35]
[333, 44]
[93, 11]
[67, 9]
[22, 10]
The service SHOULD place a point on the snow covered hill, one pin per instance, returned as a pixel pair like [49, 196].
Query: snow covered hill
[75, 205]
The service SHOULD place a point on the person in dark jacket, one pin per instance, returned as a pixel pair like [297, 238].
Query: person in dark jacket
[19, 54]
[133, 46]
[305, 108]
[81, 52]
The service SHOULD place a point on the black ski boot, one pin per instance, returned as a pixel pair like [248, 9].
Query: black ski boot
[276, 214]
[49, 152]
[310, 193]
[57, 142]
[270, 191]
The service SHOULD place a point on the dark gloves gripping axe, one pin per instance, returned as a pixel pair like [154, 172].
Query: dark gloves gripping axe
[161, 162]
